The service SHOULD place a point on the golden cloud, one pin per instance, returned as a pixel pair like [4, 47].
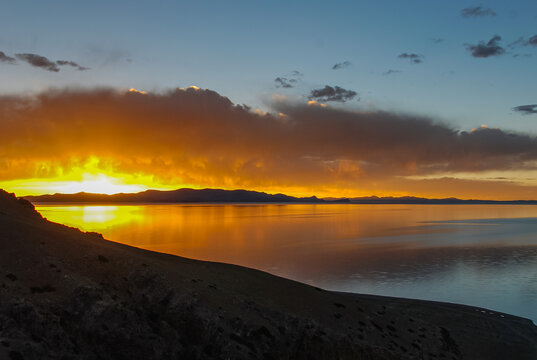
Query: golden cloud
[199, 138]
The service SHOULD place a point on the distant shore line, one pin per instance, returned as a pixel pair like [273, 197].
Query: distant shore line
[109, 203]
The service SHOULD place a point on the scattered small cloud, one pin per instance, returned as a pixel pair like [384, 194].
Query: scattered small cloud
[437, 40]
[414, 58]
[315, 103]
[341, 65]
[391, 71]
[39, 61]
[522, 42]
[532, 41]
[519, 41]
[71, 63]
[329, 93]
[282, 82]
[289, 80]
[477, 11]
[7, 59]
[484, 50]
[142, 92]
[526, 109]
[114, 56]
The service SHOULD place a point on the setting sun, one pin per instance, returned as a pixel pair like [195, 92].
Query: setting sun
[100, 183]
[93, 175]
[90, 183]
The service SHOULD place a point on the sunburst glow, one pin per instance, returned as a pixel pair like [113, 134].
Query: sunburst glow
[91, 176]
[100, 183]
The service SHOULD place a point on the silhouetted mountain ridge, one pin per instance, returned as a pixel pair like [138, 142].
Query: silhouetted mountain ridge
[187, 195]
[180, 196]
[424, 201]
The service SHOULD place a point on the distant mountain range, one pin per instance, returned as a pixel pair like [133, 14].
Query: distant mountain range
[425, 201]
[245, 196]
[180, 196]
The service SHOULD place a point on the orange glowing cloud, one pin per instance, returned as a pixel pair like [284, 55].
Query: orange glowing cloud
[69, 140]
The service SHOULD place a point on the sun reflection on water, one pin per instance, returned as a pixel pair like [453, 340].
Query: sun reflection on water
[92, 217]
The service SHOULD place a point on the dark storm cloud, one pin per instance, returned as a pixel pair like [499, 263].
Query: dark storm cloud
[391, 71]
[477, 11]
[44, 63]
[341, 65]
[526, 109]
[393, 139]
[329, 93]
[484, 50]
[284, 82]
[7, 59]
[201, 137]
[414, 58]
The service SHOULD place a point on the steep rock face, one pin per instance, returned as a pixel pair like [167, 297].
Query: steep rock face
[65, 294]
[12, 206]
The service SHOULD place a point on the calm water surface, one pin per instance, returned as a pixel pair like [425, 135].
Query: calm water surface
[483, 255]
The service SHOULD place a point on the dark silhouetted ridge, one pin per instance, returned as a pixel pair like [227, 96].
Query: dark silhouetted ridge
[246, 196]
[180, 196]
[425, 201]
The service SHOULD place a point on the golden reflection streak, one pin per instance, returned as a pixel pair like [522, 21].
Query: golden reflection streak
[92, 217]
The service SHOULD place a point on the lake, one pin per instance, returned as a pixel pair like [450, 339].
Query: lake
[482, 255]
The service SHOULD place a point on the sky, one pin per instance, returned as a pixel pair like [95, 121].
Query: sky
[347, 98]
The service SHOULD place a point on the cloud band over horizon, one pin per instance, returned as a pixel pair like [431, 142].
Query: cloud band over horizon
[199, 137]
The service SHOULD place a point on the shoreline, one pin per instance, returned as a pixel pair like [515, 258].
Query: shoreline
[112, 203]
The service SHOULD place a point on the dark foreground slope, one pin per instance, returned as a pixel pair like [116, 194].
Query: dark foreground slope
[65, 294]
